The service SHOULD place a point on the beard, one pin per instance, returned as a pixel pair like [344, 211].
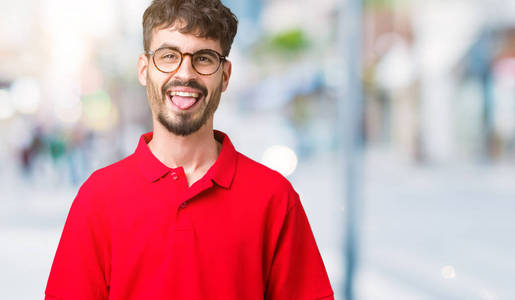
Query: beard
[185, 122]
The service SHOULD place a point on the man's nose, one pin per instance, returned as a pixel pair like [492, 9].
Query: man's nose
[185, 70]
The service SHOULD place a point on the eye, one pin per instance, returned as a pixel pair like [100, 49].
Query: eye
[166, 55]
[205, 58]
[170, 56]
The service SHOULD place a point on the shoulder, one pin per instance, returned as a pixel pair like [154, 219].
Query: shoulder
[265, 182]
[259, 173]
[108, 177]
[96, 193]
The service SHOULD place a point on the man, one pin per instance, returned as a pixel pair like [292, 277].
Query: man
[187, 216]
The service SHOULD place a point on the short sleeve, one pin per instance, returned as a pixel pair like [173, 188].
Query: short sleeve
[297, 272]
[80, 269]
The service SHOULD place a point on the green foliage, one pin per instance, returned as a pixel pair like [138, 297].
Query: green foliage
[380, 3]
[293, 40]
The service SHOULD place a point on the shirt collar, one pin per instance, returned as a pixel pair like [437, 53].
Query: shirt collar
[221, 172]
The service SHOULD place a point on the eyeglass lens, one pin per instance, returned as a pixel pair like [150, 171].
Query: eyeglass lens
[204, 62]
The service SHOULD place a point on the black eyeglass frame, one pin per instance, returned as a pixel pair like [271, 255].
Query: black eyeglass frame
[221, 59]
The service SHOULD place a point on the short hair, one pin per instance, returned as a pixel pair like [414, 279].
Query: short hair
[203, 18]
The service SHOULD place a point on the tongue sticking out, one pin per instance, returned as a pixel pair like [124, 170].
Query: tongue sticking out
[183, 102]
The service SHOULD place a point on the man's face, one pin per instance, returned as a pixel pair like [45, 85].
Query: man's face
[182, 101]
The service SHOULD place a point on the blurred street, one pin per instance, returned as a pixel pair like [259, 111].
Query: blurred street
[438, 232]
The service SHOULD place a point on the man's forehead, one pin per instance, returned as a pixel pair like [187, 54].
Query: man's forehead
[171, 34]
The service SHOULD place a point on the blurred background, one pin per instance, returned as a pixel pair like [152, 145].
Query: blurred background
[393, 119]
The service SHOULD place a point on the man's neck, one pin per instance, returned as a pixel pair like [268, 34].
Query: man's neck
[196, 152]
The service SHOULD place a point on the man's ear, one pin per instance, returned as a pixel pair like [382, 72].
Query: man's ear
[226, 75]
[142, 69]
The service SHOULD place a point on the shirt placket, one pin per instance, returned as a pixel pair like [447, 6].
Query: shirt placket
[183, 195]
[179, 188]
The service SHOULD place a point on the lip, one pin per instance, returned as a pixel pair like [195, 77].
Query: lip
[185, 90]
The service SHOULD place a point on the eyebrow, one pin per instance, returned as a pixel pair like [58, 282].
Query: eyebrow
[166, 45]
[173, 47]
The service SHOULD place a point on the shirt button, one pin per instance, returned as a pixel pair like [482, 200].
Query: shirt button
[183, 204]
[175, 176]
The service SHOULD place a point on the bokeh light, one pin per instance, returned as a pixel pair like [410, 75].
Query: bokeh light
[280, 158]
[6, 108]
[26, 95]
[448, 272]
[67, 105]
[99, 113]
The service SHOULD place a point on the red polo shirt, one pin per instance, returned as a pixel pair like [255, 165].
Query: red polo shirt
[137, 231]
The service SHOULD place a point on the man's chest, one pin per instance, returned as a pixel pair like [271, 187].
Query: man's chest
[165, 218]
[214, 238]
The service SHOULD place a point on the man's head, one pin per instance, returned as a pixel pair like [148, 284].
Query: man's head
[184, 98]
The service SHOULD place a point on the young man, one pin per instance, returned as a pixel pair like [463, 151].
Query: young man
[187, 216]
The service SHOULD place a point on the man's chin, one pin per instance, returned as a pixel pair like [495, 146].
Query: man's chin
[181, 127]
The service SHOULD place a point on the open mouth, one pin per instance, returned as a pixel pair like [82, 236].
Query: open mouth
[183, 100]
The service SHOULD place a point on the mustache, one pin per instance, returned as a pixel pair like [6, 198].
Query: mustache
[192, 83]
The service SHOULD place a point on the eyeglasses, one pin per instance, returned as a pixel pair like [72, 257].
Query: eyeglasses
[204, 62]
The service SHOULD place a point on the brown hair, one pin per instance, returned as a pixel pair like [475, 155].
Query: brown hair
[204, 18]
